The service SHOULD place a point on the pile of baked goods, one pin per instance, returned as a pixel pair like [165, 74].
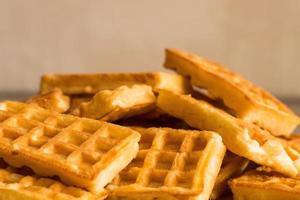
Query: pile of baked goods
[203, 133]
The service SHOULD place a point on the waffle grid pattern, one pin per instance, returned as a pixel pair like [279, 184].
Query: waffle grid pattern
[168, 161]
[80, 145]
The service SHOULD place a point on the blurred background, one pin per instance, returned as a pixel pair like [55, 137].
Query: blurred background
[260, 39]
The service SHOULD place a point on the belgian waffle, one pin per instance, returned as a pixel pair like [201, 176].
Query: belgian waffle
[241, 138]
[256, 185]
[79, 84]
[232, 165]
[14, 185]
[53, 100]
[250, 102]
[82, 152]
[171, 164]
[122, 102]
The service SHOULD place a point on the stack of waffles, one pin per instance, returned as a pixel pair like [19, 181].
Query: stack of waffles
[203, 133]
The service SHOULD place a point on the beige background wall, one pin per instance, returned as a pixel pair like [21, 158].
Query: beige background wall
[258, 38]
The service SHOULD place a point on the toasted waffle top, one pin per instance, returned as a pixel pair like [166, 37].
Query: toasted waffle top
[124, 101]
[241, 138]
[250, 102]
[83, 152]
[172, 162]
[92, 83]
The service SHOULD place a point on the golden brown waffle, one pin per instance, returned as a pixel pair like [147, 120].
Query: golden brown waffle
[53, 100]
[250, 102]
[171, 164]
[232, 166]
[256, 185]
[122, 102]
[241, 138]
[79, 84]
[82, 152]
[18, 186]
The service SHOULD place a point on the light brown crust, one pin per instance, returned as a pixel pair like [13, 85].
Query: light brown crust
[250, 102]
[80, 84]
[257, 185]
[241, 138]
[54, 100]
[122, 102]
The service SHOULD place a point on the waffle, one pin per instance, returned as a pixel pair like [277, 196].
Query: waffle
[79, 84]
[250, 103]
[256, 185]
[122, 102]
[53, 100]
[82, 152]
[232, 165]
[171, 164]
[26, 187]
[241, 138]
